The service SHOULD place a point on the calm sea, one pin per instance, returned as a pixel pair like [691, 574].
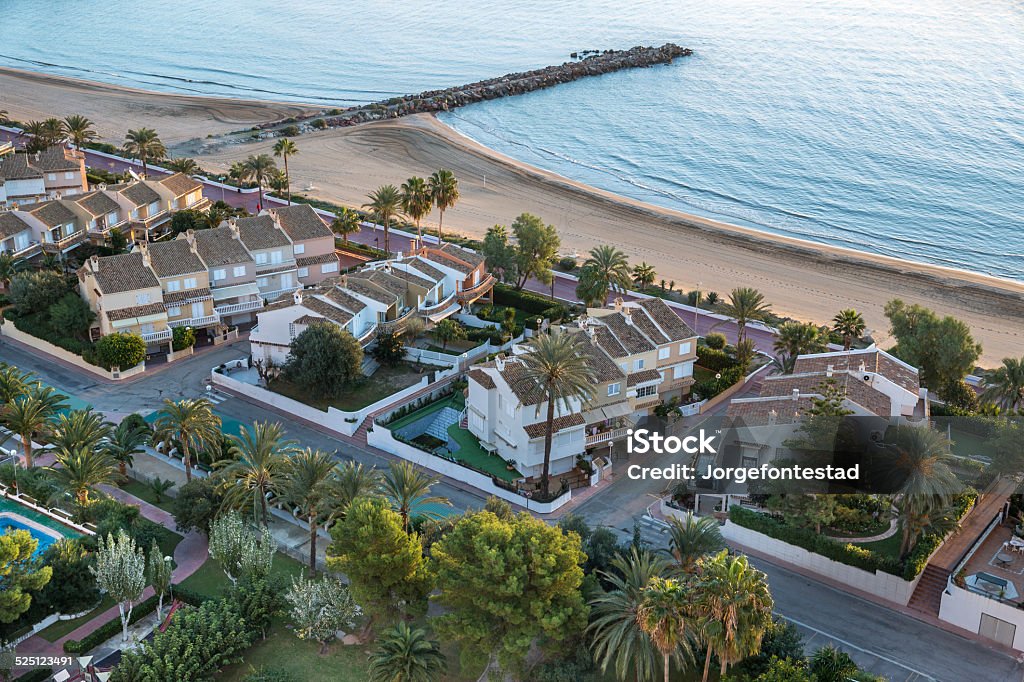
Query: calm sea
[883, 125]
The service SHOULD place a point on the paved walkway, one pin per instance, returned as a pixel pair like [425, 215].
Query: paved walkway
[189, 555]
[971, 528]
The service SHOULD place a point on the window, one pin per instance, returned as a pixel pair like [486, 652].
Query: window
[218, 275]
[749, 462]
[141, 299]
[286, 280]
[51, 176]
[261, 258]
[154, 208]
[174, 285]
[329, 267]
[663, 353]
[261, 282]
[239, 271]
[276, 257]
[69, 229]
[684, 348]
[112, 218]
[174, 311]
[614, 389]
[303, 272]
[135, 213]
[677, 372]
[190, 283]
[645, 391]
[638, 364]
[69, 175]
[625, 367]
[300, 248]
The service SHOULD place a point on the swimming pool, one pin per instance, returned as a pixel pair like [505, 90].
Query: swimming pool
[46, 531]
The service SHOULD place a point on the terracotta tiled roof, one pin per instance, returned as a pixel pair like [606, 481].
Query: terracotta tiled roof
[124, 272]
[301, 222]
[471, 257]
[173, 258]
[755, 412]
[262, 270]
[345, 300]
[559, 424]
[412, 278]
[51, 160]
[424, 267]
[219, 247]
[382, 279]
[603, 367]
[607, 341]
[135, 311]
[364, 288]
[876, 361]
[483, 378]
[180, 184]
[667, 319]
[260, 232]
[646, 325]
[186, 296]
[51, 213]
[96, 203]
[522, 386]
[325, 309]
[628, 335]
[11, 224]
[643, 376]
[450, 260]
[139, 193]
[306, 261]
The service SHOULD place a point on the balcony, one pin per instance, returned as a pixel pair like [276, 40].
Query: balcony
[367, 336]
[398, 324]
[154, 337]
[65, 242]
[607, 436]
[28, 250]
[473, 293]
[233, 308]
[197, 322]
[428, 307]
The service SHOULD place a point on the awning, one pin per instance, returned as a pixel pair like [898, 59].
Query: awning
[437, 317]
[613, 411]
[247, 289]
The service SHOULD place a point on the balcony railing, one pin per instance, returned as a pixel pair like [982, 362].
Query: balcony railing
[428, 307]
[398, 324]
[64, 242]
[204, 321]
[478, 290]
[606, 436]
[161, 335]
[28, 250]
[232, 308]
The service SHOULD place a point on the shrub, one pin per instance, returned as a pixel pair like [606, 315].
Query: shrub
[715, 340]
[36, 290]
[714, 359]
[568, 264]
[290, 131]
[319, 124]
[324, 359]
[182, 338]
[71, 316]
[137, 421]
[120, 350]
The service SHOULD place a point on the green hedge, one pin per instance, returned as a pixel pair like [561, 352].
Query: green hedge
[713, 359]
[37, 675]
[848, 554]
[529, 302]
[917, 558]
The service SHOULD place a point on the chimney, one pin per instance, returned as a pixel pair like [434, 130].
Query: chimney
[773, 416]
[233, 226]
[628, 314]
[94, 263]
[796, 394]
[190, 237]
[618, 304]
[828, 371]
[297, 296]
[862, 367]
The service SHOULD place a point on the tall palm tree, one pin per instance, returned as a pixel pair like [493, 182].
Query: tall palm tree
[406, 654]
[605, 270]
[258, 168]
[8, 267]
[558, 373]
[408, 487]
[78, 130]
[183, 165]
[13, 382]
[744, 305]
[145, 145]
[255, 468]
[850, 324]
[278, 181]
[416, 201]
[82, 469]
[308, 477]
[736, 607]
[643, 275]
[353, 481]
[1005, 385]
[923, 514]
[124, 443]
[192, 423]
[346, 222]
[30, 413]
[444, 190]
[799, 338]
[53, 131]
[663, 613]
[385, 202]
[692, 538]
[79, 429]
[617, 638]
[285, 148]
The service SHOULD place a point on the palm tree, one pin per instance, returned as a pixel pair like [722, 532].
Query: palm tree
[145, 145]
[308, 477]
[346, 222]
[744, 305]
[278, 181]
[124, 443]
[30, 413]
[13, 382]
[643, 275]
[53, 131]
[408, 487]
[192, 423]
[82, 469]
[558, 373]
[829, 664]
[259, 169]
[183, 165]
[416, 201]
[923, 514]
[8, 267]
[384, 204]
[256, 467]
[736, 607]
[285, 148]
[353, 481]
[79, 429]
[617, 637]
[662, 614]
[798, 338]
[405, 654]
[850, 324]
[444, 190]
[692, 538]
[78, 130]
[1005, 385]
[605, 270]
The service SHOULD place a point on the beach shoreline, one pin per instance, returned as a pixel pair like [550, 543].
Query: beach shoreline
[800, 278]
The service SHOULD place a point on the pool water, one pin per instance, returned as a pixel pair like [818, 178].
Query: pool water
[9, 522]
[46, 531]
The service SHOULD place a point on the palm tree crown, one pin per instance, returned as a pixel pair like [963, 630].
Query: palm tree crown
[78, 130]
[444, 190]
[346, 222]
[663, 613]
[408, 488]
[79, 429]
[285, 148]
[192, 423]
[692, 538]
[82, 469]
[1005, 385]
[353, 481]
[29, 413]
[406, 654]
[850, 324]
[183, 165]
[145, 145]
[258, 168]
[256, 468]
[605, 270]
[416, 201]
[799, 338]
[308, 477]
[124, 443]
[384, 204]
[744, 305]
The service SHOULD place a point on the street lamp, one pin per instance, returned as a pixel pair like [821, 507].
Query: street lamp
[696, 307]
[170, 585]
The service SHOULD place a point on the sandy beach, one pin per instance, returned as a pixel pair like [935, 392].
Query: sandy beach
[800, 279]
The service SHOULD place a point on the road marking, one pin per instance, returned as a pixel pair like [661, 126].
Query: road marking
[860, 649]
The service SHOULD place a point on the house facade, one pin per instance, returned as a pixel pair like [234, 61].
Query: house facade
[184, 283]
[231, 271]
[312, 242]
[272, 252]
[49, 174]
[126, 296]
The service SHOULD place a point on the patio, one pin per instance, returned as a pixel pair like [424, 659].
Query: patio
[994, 563]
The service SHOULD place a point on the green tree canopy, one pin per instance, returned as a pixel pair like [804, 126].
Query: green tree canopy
[121, 350]
[324, 359]
[71, 315]
[36, 290]
[499, 254]
[536, 249]
[942, 348]
[20, 575]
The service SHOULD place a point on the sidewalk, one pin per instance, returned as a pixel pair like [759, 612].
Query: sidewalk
[189, 555]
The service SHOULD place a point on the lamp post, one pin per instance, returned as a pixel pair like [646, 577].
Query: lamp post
[696, 308]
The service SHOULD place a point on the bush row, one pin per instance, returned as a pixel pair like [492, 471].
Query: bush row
[529, 302]
[714, 359]
[917, 558]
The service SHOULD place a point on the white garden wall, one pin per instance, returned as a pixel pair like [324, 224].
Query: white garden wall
[964, 609]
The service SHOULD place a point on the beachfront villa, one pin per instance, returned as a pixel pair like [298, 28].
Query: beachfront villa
[49, 174]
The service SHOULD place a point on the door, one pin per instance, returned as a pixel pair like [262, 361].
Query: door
[999, 630]
[286, 280]
[197, 310]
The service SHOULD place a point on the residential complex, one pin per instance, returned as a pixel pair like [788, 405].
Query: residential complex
[49, 174]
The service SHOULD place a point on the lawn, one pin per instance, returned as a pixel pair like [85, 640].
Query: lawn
[211, 581]
[144, 493]
[702, 374]
[887, 547]
[283, 651]
[966, 444]
[384, 382]
[64, 627]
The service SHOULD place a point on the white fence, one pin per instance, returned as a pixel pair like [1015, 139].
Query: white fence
[965, 609]
[10, 331]
[381, 437]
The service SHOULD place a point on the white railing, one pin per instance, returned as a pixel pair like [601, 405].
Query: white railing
[605, 436]
[204, 321]
[231, 308]
[161, 335]
[428, 307]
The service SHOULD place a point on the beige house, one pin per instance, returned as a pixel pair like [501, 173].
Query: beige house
[272, 252]
[126, 296]
[61, 229]
[184, 283]
[49, 174]
[17, 235]
[100, 213]
[149, 204]
[312, 242]
[231, 271]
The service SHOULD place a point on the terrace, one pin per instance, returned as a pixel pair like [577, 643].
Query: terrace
[996, 569]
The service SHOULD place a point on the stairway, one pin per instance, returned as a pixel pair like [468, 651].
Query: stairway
[928, 594]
